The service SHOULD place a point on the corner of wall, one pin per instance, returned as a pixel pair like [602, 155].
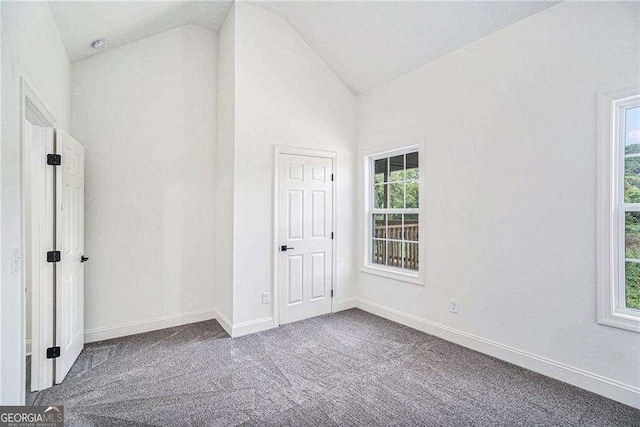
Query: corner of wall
[225, 170]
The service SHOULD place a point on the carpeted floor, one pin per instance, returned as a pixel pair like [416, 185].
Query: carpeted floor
[349, 368]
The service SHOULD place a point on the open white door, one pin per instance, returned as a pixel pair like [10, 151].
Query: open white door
[305, 228]
[70, 243]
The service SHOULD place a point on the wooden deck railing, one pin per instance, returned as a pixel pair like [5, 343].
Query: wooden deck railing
[395, 257]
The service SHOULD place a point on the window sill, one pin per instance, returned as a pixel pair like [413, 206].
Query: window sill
[393, 274]
[620, 320]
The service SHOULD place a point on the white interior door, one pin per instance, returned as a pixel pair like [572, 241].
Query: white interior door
[70, 243]
[305, 227]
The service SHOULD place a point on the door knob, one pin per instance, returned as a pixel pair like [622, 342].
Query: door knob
[84, 259]
[285, 248]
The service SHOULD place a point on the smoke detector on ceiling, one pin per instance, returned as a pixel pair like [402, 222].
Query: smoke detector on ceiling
[98, 43]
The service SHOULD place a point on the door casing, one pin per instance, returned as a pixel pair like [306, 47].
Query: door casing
[299, 151]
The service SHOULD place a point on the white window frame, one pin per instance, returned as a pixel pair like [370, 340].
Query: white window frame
[611, 209]
[368, 157]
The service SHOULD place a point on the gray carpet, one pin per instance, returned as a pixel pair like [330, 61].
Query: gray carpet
[349, 368]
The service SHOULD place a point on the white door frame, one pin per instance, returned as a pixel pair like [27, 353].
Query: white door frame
[41, 298]
[309, 152]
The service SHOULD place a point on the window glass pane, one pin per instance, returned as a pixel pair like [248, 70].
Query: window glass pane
[632, 164]
[394, 256]
[379, 226]
[632, 235]
[380, 195]
[632, 130]
[411, 227]
[380, 174]
[394, 228]
[411, 255]
[396, 195]
[379, 252]
[412, 171]
[632, 280]
[632, 180]
[396, 166]
[412, 194]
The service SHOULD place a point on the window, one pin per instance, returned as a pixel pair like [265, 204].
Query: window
[393, 243]
[619, 209]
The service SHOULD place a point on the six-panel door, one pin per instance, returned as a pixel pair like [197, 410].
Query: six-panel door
[70, 243]
[305, 224]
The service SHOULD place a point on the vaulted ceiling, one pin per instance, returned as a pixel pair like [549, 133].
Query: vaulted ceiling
[365, 43]
[122, 22]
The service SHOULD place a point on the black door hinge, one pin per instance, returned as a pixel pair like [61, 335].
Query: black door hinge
[54, 159]
[331, 177]
[53, 256]
[332, 235]
[53, 352]
[331, 293]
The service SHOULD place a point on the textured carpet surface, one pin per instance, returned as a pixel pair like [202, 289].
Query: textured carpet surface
[349, 368]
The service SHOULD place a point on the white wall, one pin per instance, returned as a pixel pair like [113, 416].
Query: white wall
[510, 129]
[146, 114]
[284, 95]
[225, 171]
[31, 47]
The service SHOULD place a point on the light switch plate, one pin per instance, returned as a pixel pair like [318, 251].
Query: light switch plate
[453, 307]
[16, 260]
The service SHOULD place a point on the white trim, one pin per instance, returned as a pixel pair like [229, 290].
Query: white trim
[347, 303]
[299, 151]
[224, 321]
[36, 104]
[389, 272]
[612, 389]
[608, 228]
[389, 151]
[141, 326]
[365, 158]
[252, 326]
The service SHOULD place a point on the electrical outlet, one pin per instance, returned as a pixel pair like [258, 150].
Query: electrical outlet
[16, 260]
[265, 297]
[453, 306]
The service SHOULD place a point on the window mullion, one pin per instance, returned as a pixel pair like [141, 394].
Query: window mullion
[387, 186]
[630, 207]
[394, 211]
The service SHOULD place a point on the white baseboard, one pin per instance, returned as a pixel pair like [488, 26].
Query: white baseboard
[28, 348]
[347, 303]
[251, 327]
[595, 383]
[131, 328]
[224, 321]
[244, 328]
